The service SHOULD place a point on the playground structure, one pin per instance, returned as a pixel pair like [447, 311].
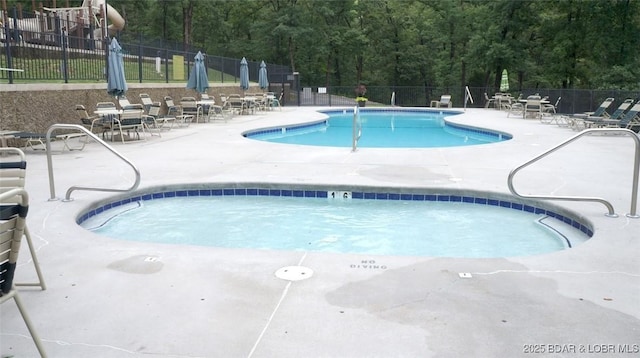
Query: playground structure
[47, 26]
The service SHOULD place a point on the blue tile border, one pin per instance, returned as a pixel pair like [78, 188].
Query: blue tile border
[356, 195]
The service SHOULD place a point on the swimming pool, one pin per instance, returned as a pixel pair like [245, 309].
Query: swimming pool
[382, 128]
[375, 221]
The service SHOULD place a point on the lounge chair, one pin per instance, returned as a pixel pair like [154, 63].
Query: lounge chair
[614, 118]
[13, 173]
[576, 120]
[445, 101]
[601, 111]
[38, 141]
[12, 225]
[630, 120]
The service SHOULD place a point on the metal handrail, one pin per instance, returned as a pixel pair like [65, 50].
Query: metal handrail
[357, 128]
[611, 213]
[100, 141]
[467, 97]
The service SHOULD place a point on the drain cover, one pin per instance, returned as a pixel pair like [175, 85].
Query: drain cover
[294, 273]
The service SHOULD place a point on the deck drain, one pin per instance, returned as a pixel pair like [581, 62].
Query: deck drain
[294, 273]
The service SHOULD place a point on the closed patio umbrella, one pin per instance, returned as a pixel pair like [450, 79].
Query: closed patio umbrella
[198, 79]
[504, 82]
[116, 82]
[263, 82]
[244, 74]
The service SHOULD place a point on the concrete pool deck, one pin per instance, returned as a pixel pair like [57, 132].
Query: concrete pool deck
[110, 298]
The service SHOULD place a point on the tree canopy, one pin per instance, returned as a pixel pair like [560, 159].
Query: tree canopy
[542, 43]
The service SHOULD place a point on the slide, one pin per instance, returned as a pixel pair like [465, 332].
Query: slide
[117, 21]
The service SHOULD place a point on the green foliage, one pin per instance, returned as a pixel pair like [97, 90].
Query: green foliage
[431, 43]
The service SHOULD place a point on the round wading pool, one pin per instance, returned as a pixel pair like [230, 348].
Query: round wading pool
[376, 221]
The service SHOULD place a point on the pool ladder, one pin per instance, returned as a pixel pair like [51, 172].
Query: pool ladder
[357, 129]
[611, 212]
[100, 141]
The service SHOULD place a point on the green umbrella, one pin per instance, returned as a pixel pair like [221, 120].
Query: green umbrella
[504, 82]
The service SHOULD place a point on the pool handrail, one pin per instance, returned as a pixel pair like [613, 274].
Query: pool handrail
[357, 128]
[98, 140]
[611, 212]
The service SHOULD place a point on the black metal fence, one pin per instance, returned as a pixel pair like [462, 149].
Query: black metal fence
[572, 100]
[46, 46]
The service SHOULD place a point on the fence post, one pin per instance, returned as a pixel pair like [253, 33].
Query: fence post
[139, 57]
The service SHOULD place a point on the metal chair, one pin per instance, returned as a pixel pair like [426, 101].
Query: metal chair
[13, 213]
[12, 176]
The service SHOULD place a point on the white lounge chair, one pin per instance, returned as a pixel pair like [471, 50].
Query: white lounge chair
[445, 101]
[13, 213]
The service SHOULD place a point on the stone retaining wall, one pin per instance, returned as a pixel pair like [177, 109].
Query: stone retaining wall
[34, 108]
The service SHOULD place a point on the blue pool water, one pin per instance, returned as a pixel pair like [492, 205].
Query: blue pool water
[407, 224]
[382, 129]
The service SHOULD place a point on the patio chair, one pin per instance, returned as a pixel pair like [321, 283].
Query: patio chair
[190, 107]
[549, 112]
[511, 105]
[445, 101]
[105, 106]
[129, 120]
[147, 102]
[177, 112]
[12, 175]
[93, 123]
[15, 204]
[237, 105]
[273, 101]
[551, 108]
[488, 101]
[156, 120]
[123, 102]
[533, 107]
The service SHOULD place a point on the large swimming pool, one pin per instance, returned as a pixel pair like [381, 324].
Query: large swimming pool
[370, 221]
[381, 128]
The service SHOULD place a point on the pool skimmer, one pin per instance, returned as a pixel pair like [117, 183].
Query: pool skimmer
[294, 273]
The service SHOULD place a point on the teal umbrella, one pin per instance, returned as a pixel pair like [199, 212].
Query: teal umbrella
[116, 82]
[198, 79]
[263, 81]
[504, 82]
[244, 74]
